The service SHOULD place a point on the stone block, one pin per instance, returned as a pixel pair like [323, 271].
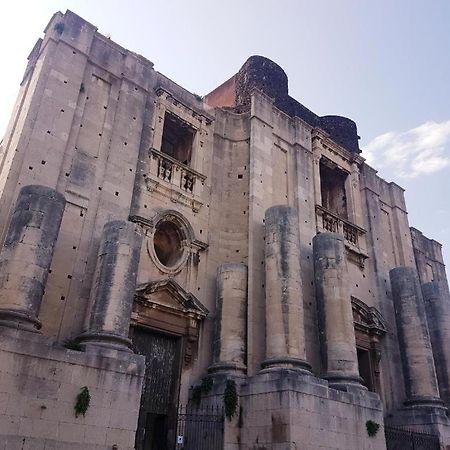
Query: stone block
[9, 424]
[95, 435]
[122, 438]
[71, 432]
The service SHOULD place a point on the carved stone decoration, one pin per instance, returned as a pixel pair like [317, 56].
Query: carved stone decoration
[353, 234]
[370, 328]
[188, 245]
[164, 305]
[168, 97]
[367, 319]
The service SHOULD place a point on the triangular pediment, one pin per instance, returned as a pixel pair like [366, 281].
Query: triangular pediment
[169, 295]
[368, 318]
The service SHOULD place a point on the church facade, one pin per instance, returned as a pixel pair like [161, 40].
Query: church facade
[228, 253]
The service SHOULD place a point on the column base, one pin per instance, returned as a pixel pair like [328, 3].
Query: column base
[285, 362]
[425, 401]
[228, 367]
[96, 340]
[343, 382]
[22, 320]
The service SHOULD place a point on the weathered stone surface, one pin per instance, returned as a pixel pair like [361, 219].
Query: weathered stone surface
[437, 307]
[95, 122]
[335, 310]
[283, 411]
[39, 384]
[114, 286]
[417, 354]
[230, 343]
[285, 334]
[27, 254]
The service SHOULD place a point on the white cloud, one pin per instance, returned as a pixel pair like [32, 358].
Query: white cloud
[421, 150]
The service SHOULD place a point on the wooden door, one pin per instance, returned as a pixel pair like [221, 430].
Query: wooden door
[158, 409]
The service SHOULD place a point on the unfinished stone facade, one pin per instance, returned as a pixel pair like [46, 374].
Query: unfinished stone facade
[160, 248]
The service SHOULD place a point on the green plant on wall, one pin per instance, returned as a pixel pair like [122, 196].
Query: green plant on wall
[206, 385]
[372, 428]
[230, 399]
[83, 401]
[196, 397]
[203, 388]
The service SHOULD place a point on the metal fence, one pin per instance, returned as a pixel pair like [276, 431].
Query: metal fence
[403, 439]
[200, 428]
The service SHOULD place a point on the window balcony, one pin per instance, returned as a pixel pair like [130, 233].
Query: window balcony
[175, 180]
[353, 235]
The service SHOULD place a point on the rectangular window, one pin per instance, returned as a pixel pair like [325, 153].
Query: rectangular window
[332, 186]
[177, 139]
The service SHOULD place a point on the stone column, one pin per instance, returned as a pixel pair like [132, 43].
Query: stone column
[437, 308]
[27, 254]
[230, 341]
[114, 286]
[336, 327]
[285, 334]
[415, 347]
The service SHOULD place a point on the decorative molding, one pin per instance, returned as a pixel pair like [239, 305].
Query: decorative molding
[367, 318]
[185, 303]
[196, 114]
[370, 328]
[328, 221]
[323, 139]
[165, 305]
[190, 245]
[174, 180]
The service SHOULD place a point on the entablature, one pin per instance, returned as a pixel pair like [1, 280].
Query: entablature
[322, 140]
[198, 116]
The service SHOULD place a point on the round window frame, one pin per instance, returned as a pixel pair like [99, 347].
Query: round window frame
[186, 237]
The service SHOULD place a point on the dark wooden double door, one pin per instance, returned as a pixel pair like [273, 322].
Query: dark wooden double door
[158, 410]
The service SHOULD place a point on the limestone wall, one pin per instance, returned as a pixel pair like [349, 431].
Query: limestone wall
[39, 384]
[389, 245]
[89, 123]
[283, 412]
[75, 132]
[428, 258]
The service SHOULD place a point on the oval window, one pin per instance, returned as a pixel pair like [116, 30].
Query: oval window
[167, 242]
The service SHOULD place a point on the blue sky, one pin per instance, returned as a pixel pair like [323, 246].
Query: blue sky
[385, 64]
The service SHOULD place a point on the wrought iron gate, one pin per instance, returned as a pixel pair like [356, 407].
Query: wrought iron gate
[200, 429]
[401, 439]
